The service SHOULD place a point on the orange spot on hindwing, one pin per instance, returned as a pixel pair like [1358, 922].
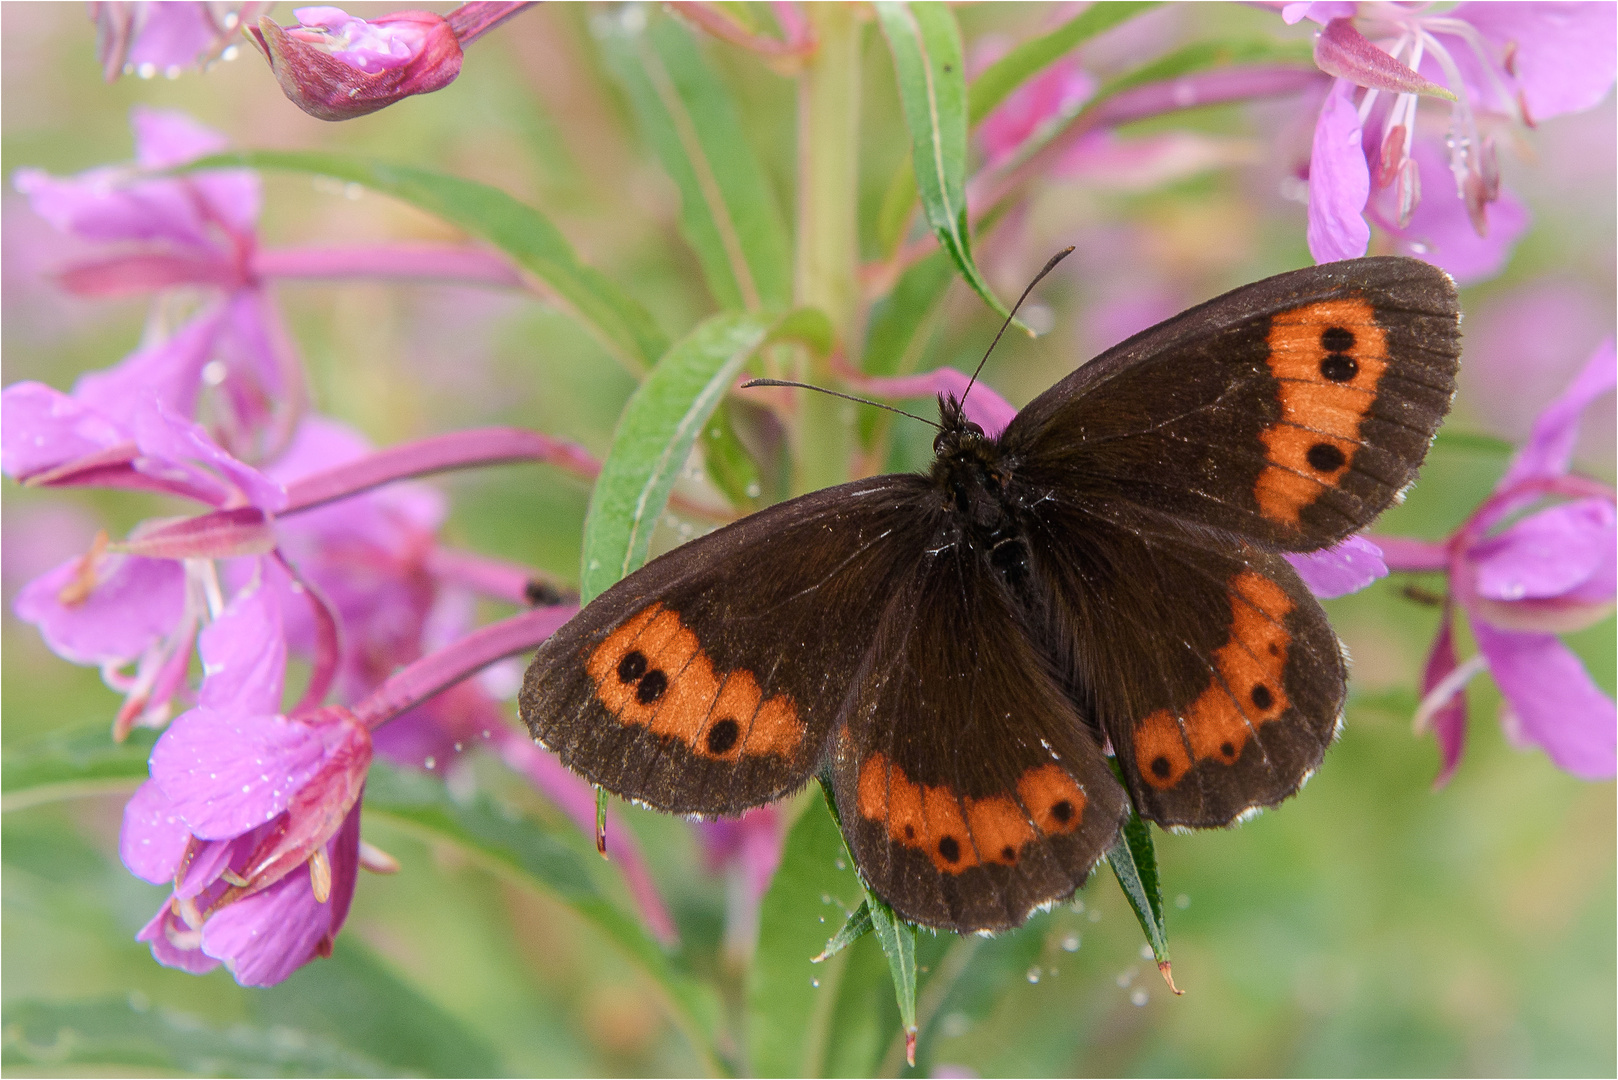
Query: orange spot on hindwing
[1328, 358]
[957, 833]
[652, 672]
[1244, 692]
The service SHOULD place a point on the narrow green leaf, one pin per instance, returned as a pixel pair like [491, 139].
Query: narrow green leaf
[898, 939]
[857, 926]
[527, 236]
[1134, 862]
[557, 863]
[660, 424]
[602, 796]
[926, 46]
[999, 79]
[73, 764]
[730, 467]
[893, 333]
[790, 1000]
[728, 211]
[893, 216]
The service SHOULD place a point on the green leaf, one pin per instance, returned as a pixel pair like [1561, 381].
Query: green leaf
[520, 231]
[791, 1001]
[893, 216]
[1134, 863]
[522, 850]
[857, 926]
[999, 79]
[730, 467]
[898, 939]
[74, 764]
[926, 46]
[659, 426]
[347, 1015]
[728, 211]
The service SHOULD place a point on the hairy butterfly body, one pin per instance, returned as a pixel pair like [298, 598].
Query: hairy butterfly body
[958, 652]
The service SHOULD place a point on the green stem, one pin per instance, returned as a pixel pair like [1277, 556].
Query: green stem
[827, 269]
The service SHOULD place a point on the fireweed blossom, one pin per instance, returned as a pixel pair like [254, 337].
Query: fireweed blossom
[1521, 580]
[1497, 64]
[335, 66]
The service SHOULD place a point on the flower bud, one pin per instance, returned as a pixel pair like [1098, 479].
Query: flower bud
[336, 67]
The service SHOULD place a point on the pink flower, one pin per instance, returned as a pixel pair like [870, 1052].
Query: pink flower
[1520, 585]
[1049, 98]
[1521, 61]
[162, 232]
[335, 66]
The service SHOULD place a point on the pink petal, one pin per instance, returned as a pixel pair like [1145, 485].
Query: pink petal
[267, 936]
[1557, 705]
[244, 655]
[1044, 99]
[168, 436]
[1550, 446]
[1565, 57]
[169, 371]
[1337, 571]
[153, 838]
[1549, 553]
[134, 604]
[1339, 181]
[42, 428]
[1320, 11]
[174, 944]
[227, 772]
[1403, 553]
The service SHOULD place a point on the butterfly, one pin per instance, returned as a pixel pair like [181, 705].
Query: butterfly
[958, 654]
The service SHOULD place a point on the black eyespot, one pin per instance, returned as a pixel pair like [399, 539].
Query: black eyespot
[651, 687]
[910, 832]
[1275, 650]
[1008, 853]
[1161, 768]
[1063, 810]
[1324, 457]
[1227, 749]
[950, 848]
[1339, 368]
[723, 735]
[1337, 339]
[632, 666]
[1262, 697]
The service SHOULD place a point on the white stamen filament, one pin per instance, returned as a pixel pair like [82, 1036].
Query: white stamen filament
[1441, 695]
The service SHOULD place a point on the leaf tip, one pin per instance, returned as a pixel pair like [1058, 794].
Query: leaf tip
[910, 1047]
[1167, 970]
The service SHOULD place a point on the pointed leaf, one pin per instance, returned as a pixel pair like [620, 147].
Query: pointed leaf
[858, 925]
[1134, 862]
[898, 939]
[523, 233]
[728, 211]
[926, 46]
[659, 426]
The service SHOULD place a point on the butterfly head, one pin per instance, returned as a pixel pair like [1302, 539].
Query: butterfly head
[955, 432]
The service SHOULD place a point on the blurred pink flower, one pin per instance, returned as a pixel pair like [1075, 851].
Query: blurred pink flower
[1049, 98]
[146, 39]
[1550, 572]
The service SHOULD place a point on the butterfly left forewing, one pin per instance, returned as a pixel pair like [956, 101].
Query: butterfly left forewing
[708, 681]
[970, 790]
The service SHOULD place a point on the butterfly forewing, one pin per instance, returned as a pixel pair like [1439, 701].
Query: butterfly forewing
[708, 681]
[969, 789]
[1291, 411]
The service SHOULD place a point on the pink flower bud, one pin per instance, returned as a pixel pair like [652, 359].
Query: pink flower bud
[1343, 51]
[336, 67]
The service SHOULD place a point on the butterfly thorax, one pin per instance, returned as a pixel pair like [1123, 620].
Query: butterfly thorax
[972, 473]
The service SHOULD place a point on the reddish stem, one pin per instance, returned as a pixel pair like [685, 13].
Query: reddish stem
[471, 21]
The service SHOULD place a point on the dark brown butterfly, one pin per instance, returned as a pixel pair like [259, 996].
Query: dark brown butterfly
[957, 653]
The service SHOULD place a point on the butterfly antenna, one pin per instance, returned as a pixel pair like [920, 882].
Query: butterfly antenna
[845, 397]
[1049, 266]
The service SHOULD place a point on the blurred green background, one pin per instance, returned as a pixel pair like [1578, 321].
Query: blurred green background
[1370, 926]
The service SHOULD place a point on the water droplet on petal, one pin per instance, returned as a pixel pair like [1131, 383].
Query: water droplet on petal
[430, 763]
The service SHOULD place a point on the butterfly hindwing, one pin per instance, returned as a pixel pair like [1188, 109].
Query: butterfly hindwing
[708, 681]
[1214, 675]
[970, 791]
[1291, 411]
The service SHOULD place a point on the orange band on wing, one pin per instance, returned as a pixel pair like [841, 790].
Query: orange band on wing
[652, 672]
[957, 833]
[1328, 358]
[1245, 691]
